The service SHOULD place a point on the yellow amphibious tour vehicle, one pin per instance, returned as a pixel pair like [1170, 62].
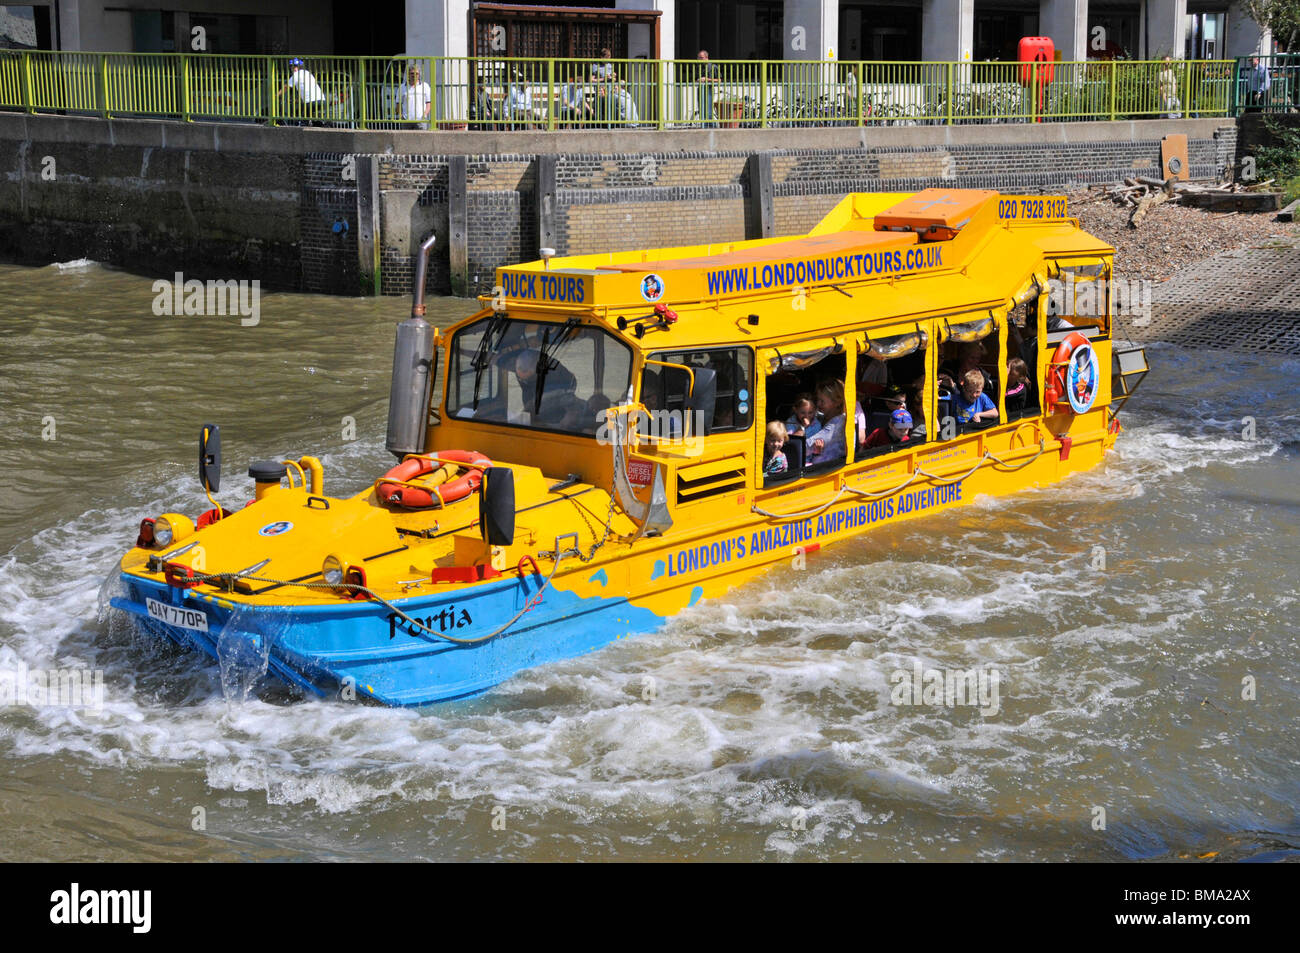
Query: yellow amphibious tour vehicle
[613, 437]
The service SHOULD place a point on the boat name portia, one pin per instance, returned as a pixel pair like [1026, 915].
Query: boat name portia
[948, 687]
[75, 906]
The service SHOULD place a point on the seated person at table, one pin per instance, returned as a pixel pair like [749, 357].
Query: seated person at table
[804, 421]
[970, 403]
[573, 103]
[774, 461]
[829, 443]
[898, 431]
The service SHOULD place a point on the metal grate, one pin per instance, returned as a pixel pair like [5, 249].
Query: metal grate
[1247, 299]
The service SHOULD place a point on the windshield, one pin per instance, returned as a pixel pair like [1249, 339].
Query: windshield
[541, 375]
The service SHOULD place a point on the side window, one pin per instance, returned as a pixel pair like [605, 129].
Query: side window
[892, 392]
[734, 367]
[969, 379]
[1021, 394]
[807, 427]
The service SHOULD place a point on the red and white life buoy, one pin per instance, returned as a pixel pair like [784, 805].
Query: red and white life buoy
[395, 485]
[1073, 375]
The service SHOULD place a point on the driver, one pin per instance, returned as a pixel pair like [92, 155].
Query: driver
[558, 394]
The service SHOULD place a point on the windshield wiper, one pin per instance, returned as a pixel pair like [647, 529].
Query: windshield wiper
[496, 327]
[545, 362]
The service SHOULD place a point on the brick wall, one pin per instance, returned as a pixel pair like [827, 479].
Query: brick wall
[245, 202]
[607, 202]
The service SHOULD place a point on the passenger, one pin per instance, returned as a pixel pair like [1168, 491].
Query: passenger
[916, 408]
[803, 422]
[774, 461]
[1017, 384]
[970, 402]
[829, 443]
[969, 357]
[597, 404]
[898, 431]
[872, 377]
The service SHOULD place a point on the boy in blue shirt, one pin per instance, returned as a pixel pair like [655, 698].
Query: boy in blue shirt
[970, 403]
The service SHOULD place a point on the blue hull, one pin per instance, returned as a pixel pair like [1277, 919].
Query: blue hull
[325, 650]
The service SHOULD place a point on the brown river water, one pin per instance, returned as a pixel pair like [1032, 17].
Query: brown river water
[761, 726]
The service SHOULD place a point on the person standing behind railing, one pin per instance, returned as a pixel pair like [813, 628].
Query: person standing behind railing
[605, 80]
[416, 99]
[1167, 84]
[309, 93]
[1257, 83]
[519, 102]
[708, 82]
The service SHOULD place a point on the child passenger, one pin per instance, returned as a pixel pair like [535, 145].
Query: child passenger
[1017, 383]
[774, 460]
[803, 422]
[970, 402]
[829, 444]
[898, 431]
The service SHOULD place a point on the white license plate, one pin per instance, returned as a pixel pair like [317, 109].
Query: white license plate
[175, 615]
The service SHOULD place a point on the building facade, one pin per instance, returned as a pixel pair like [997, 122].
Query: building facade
[881, 30]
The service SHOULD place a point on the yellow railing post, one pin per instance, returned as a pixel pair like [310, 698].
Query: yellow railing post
[550, 95]
[1114, 82]
[101, 81]
[1033, 101]
[861, 92]
[1188, 66]
[186, 114]
[271, 109]
[762, 93]
[363, 111]
[948, 67]
[28, 99]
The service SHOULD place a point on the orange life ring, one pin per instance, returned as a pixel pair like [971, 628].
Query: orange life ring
[415, 466]
[1055, 393]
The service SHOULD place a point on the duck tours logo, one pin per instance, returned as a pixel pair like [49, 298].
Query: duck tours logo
[935, 687]
[209, 298]
[1087, 299]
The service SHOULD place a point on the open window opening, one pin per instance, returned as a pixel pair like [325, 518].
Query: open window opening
[807, 427]
[891, 391]
[969, 376]
[665, 391]
[1022, 386]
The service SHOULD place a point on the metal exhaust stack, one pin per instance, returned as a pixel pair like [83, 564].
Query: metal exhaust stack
[413, 370]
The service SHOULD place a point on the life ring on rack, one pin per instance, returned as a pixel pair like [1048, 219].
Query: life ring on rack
[395, 486]
[1073, 375]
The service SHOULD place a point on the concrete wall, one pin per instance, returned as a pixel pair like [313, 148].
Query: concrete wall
[317, 209]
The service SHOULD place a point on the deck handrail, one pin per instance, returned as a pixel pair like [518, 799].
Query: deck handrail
[505, 94]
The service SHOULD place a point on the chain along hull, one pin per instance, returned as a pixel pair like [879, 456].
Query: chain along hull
[360, 646]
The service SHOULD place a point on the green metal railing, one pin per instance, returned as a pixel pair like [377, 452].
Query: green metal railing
[549, 94]
[1270, 84]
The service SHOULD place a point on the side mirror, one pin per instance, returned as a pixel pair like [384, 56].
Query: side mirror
[496, 506]
[210, 457]
[704, 399]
